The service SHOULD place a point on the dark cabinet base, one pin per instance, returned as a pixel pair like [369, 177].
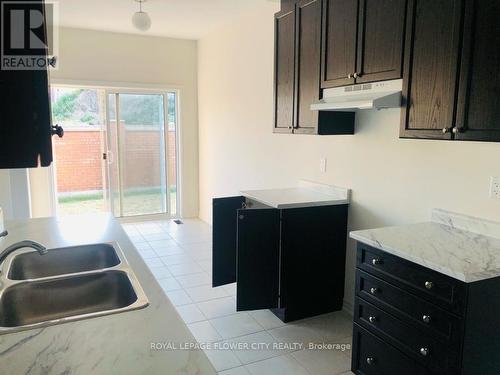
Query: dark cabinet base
[291, 261]
[291, 314]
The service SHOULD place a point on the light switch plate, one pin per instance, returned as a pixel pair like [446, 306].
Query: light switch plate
[495, 188]
[322, 165]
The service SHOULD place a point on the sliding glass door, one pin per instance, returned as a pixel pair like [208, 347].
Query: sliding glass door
[142, 152]
[119, 152]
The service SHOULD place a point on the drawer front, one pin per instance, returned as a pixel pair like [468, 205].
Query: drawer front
[439, 289]
[372, 356]
[434, 320]
[425, 349]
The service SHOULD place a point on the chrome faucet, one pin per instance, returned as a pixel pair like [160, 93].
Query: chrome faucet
[42, 250]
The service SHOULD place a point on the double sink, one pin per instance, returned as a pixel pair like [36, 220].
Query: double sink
[66, 284]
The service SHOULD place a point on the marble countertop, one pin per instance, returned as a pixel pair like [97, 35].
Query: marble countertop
[460, 246]
[114, 344]
[306, 194]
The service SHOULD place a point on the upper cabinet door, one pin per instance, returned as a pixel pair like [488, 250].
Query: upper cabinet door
[308, 57]
[380, 40]
[340, 19]
[284, 71]
[431, 68]
[25, 119]
[258, 259]
[478, 115]
[224, 226]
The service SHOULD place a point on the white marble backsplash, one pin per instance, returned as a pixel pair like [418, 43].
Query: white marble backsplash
[465, 222]
[340, 192]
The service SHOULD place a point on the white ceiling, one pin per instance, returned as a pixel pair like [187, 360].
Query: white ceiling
[188, 19]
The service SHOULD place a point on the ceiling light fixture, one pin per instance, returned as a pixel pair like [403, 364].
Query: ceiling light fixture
[140, 19]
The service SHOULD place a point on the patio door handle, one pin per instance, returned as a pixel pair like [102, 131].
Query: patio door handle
[108, 156]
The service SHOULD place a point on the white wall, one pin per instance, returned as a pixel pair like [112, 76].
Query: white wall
[5, 193]
[15, 196]
[394, 181]
[86, 55]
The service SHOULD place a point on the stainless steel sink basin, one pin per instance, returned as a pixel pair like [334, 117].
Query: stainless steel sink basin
[65, 285]
[46, 300]
[62, 261]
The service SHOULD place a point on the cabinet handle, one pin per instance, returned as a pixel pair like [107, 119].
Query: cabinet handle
[424, 352]
[458, 130]
[357, 75]
[370, 360]
[241, 217]
[446, 130]
[372, 319]
[426, 319]
[373, 290]
[349, 76]
[429, 285]
[376, 261]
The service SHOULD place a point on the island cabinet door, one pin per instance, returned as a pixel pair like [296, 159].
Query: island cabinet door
[258, 259]
[224, 227]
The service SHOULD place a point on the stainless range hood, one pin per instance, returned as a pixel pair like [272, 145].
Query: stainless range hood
[376, 95]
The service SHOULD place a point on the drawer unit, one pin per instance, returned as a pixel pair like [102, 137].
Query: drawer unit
[409, 319]
[428, 284]
[424, 348]
[428, 317]
[372, 356]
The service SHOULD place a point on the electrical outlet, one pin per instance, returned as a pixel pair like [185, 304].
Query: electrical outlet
[322, 165]
[495, 188]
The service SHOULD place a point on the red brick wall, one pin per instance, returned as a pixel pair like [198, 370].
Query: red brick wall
[78, 160]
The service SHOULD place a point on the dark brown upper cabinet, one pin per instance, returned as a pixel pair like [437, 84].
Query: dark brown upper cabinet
[381, 31]
[25, 120]
[284, 70]
[340, 19]
[297, 73]
[431, 68]
[362, 41]
[478, 112]
[307, 68]
[452, 71]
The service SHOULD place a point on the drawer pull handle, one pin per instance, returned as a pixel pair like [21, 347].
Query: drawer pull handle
[429, 285]
[426, 319]
[370, 360]
[372, 319]
[376, 261]
[424, 352]
[373, 290]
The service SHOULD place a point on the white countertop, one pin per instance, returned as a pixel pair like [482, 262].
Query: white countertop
[460, 246]
[306, 194]
[114, 344]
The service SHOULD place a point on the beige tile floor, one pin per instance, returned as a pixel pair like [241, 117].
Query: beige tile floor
[180, 257]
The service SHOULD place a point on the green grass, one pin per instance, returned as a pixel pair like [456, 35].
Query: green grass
[99, 196]
[139, 202]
